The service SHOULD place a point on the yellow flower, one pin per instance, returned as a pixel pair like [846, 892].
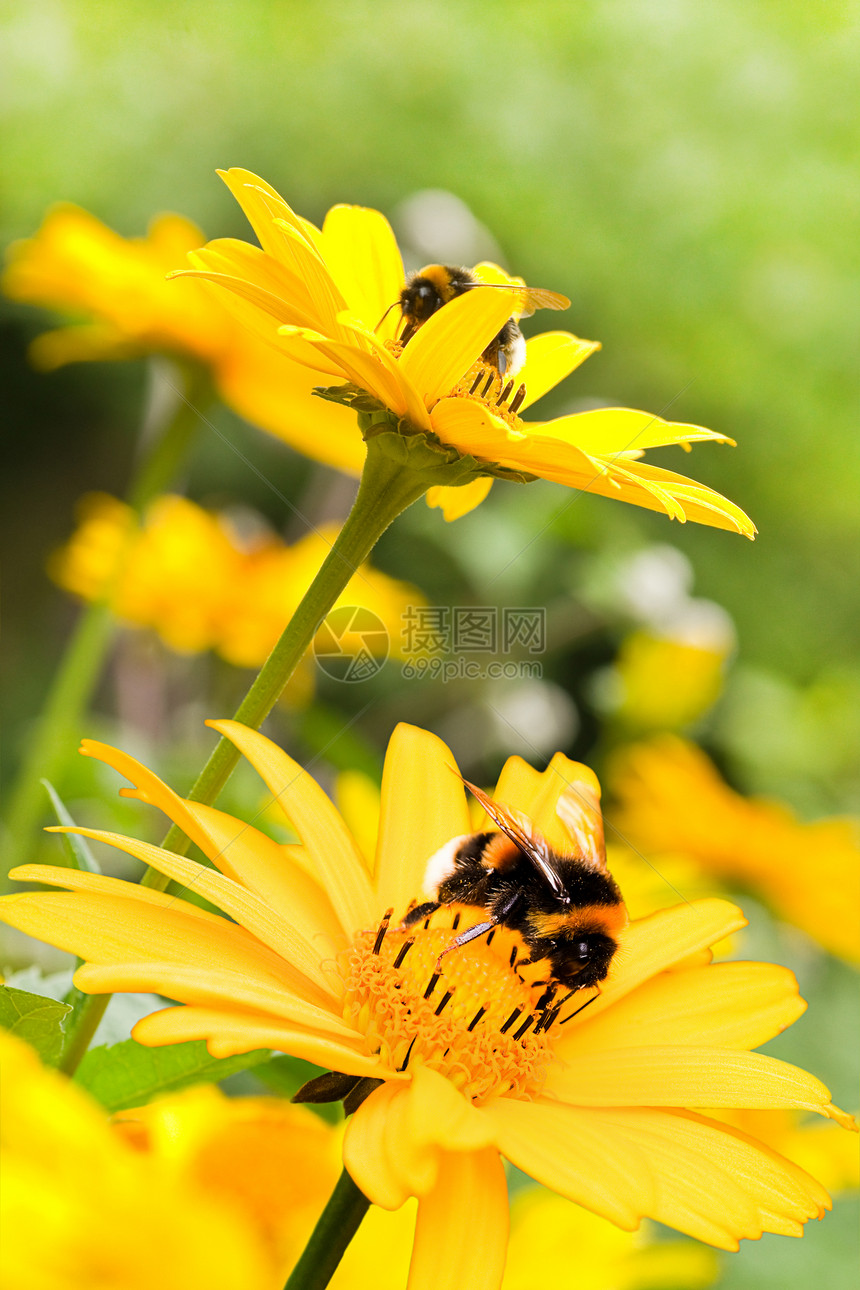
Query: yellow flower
[270, 1163]
[673, 801]
[191, 575]
[305, 962]
[78, 265]
[324, 298]
[81, 1208]
[666, 682]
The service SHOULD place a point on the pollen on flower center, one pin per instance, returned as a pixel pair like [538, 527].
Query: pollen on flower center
[475, 1020]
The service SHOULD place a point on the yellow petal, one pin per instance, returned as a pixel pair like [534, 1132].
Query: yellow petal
[461, 1235]
[423, 806]
[687, 1076]
[107, 929]
[471, 427]
[324, 834]
[273, 871]
[551, 357]
[368, 1166]
[572, 1152]
[650, 945]
[622, 479]
[446, 346]
[230, 1032]
[436, 1114]
[454, 503]
[605, 431]
[263, 205]
[362, 255]
[377, 373]
[729, 1005]
[249, 273]
[79, 880]
[245, 908]
[290, 243]
[216, 987]
[716, 1183]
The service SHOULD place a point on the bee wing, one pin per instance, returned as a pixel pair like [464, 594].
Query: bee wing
[519, 829]
[532, 298]
[579, 811]
[528, 298]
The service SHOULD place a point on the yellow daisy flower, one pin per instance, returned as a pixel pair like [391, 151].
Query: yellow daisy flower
[674, 801]
[450, 1071]
[327, 299]
[81, 1208]
[190, 575]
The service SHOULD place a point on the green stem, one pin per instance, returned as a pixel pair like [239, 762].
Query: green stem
[386, 489]
[89, 1010]
[338, 1224]
[59, 724]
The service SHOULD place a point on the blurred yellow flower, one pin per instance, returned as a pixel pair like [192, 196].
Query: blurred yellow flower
[76, 265]
[665, 683]
[306, 962]
[328, 299]
[193, 576]
[81, 1208]
[673, 801]
[271, 1163]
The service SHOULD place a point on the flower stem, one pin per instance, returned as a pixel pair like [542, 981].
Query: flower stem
[385, 490]
[337, 1225]
[88, 1013]
[59, 724]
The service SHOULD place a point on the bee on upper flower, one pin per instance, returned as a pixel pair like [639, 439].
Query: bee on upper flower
[325, 298]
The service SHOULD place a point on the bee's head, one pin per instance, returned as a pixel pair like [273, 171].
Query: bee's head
[585, 958]
[419, 299]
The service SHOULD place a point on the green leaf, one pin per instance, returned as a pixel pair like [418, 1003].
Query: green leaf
[37, 1020]
[127, 1074]
[77, 852]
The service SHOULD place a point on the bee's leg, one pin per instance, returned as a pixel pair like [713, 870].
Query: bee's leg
[419, 912]
[472, 933]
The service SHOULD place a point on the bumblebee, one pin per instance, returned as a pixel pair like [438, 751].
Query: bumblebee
[437, 284]
[566, 907]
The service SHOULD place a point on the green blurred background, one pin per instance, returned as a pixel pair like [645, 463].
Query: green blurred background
[686, 173]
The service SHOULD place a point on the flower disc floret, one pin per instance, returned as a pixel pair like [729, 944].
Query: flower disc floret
[468, 1015]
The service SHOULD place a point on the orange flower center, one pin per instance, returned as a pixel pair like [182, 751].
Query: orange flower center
[467, 1013]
